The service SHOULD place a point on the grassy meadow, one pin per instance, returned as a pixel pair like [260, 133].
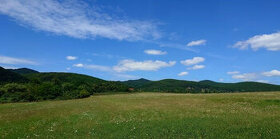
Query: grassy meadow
[146, 115]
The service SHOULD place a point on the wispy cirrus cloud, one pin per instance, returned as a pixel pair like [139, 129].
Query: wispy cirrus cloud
[76, 19]
[93, 67]
[176, 46]
[233, 72]
[183, 73]
[155, 52]
[270, 42]
[149, 65]
[196, 43]
[115, 75]
[128, 65]
[245, 76]
[15, 61]
[9, 67]
[125, 76]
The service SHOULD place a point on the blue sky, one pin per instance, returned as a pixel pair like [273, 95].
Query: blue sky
[226, 41]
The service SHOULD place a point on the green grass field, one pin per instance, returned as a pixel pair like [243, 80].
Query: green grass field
[146, 115]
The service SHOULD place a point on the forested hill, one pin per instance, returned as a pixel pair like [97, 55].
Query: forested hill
[23, 71]
[206, 86]
[137, 83]
[30, 85]
[7, 76]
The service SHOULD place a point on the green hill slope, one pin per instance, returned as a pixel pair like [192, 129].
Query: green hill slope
[136, 83]
[243, 86]
[30, 85]
[206, 86]
[96, 84]
[7, 76]
[23, 71]
[34, 86]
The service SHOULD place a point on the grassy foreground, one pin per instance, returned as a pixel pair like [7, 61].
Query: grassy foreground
[146, 115]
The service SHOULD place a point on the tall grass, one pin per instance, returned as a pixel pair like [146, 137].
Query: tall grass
[146, 115]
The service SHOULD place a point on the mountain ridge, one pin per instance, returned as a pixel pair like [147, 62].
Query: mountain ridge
[204, 86]
[30, 85]
[23, 71]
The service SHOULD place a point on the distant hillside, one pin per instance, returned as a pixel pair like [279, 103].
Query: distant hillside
[243, 86]
[31, 85]
[7, 76]
[206, 86]
[23, 71]
[63, 77]
[136, 83]
[98, 85]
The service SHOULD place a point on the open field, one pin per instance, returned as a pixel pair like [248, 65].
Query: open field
[146, 115]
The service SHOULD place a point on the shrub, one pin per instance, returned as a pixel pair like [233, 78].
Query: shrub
[13, 92]
[14, 87]
[84, 93]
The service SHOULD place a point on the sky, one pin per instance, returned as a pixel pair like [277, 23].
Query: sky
[219, 40]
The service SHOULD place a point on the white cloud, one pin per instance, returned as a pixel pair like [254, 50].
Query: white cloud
[196, 67]
[183, 73]
[71, 57]
[128, 65]
[126, 76]
[177, 46]
[149, 65]
[233, 72]
[120, 76]
[15, 61]
[78, 65]
[155, 52]
[77, 19]
[245, 76]
[8, 67]
[98, 67]
[271, 73]
[68, 68]
[93, 67]
[262, 81]
[255, 76]
[193, 61]
[270, 42]
[198, 42]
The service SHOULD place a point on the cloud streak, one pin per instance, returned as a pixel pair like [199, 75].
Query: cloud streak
[93, 67]
[128, 65]
[149, 65]
[76, 19]
[155, 52]
[196, 67]
[245, 76]
[196, 43]
[71, 57]
[15, 61]
[233, 72]
[183, 73]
